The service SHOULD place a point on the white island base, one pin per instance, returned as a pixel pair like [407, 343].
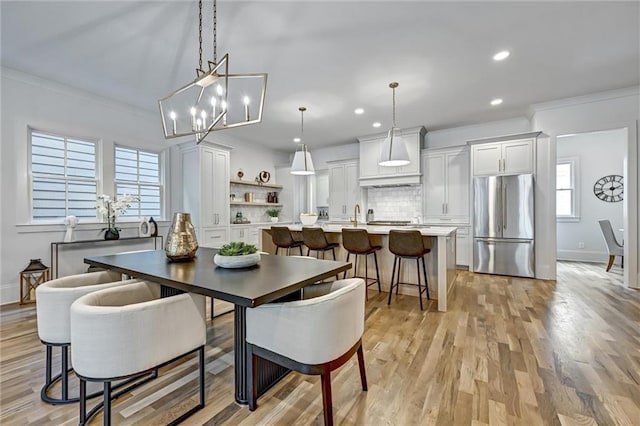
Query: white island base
[441, 261]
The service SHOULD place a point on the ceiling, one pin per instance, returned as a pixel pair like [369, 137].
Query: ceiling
[335, 56]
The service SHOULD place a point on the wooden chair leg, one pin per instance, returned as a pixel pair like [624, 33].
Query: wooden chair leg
[327, 404]
[611, 259]
[363, 373]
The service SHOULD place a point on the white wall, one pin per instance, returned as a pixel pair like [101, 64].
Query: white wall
[598, 154]
[44, 105]
[604, 111]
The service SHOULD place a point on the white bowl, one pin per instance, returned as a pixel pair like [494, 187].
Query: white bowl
[237, 261]
[308, 218]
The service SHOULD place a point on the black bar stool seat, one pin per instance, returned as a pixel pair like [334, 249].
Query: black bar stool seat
[405, 244]
[315, 239]
[282, 238]
[357, 242]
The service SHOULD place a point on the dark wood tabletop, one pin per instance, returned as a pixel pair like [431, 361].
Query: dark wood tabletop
[272, 278]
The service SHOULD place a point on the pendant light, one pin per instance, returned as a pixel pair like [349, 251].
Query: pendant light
[216, 99]
[302, 164]
[394, 151]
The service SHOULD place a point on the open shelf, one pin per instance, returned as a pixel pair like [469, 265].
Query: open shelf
[244, 203]
[260, 185]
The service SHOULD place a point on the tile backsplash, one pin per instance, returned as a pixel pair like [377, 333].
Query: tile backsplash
[395, 202]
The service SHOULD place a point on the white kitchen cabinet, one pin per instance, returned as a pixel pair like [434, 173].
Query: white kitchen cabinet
[344, 189]
[205, 183]
[446, 185]
[246, 234]
[372, 174]
[504, 157]
[463, 246]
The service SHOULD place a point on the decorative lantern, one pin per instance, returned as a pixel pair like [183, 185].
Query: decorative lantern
[30, 278]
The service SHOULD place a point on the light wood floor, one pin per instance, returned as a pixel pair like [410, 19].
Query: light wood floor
[509, 351]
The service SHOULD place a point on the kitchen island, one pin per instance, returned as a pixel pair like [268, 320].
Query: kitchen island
[441, 262]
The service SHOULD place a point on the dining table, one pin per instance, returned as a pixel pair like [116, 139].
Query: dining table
[273, 279]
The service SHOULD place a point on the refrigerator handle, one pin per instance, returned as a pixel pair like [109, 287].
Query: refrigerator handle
[504, 206]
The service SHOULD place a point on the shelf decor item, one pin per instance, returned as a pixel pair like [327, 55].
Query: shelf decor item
[274, 214]
[112, 208]
[30, 278]
[181, 241]
[237, 255]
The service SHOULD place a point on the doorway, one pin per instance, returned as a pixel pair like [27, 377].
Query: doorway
[583, 161]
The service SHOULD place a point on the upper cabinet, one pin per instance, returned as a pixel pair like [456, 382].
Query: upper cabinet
[205, 174]
[446, 185]
[344, 190]
[372, 174]
[506, 155]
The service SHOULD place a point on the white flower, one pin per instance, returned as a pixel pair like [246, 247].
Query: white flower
[114, 207]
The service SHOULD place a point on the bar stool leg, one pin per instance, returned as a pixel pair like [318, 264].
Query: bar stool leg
[345, 272]
[333, 250]
[375, 258]
[419, 285]
[277, 248]
[300, 247]
[393, 275]
[64, 371]
[426, 279]
[107, 404]
[398, 282]
[366, 276]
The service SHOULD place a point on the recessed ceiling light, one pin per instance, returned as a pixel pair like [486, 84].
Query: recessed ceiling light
[359, 111]
[377, 124]
[296, 140]
[502, 55]
[496, 102]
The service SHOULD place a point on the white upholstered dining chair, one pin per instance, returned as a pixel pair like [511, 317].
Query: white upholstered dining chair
[613, 246]
[54, 301]
[130, 331]
[312, 336]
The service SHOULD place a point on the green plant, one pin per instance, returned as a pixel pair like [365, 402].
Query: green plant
[273, 212]
[237, 248]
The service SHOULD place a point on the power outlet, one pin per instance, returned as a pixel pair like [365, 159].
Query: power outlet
[581, 245]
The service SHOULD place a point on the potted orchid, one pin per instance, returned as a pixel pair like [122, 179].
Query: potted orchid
[112, 208]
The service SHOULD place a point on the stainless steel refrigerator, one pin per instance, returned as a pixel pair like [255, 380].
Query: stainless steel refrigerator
[503, 218]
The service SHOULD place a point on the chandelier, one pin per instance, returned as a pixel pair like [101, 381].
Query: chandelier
[394, 152]
[216, 99]
[302, 164]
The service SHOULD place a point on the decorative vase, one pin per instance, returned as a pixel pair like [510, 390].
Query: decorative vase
[111, 234]
[275, 219]
[181, 241]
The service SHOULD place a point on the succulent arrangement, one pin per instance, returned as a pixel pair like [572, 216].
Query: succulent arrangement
[237, 248]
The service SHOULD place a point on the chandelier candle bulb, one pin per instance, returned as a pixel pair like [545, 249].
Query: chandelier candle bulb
[246, 108]
[203, 114]
[193, 118]
[173, 119]
[213, 108]
[223, 105]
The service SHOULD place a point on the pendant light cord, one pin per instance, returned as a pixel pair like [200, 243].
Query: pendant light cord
[214, 33]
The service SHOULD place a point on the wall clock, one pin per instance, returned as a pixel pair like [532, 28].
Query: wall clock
[609, 188]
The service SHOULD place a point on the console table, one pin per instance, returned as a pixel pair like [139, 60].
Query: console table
[55, 246]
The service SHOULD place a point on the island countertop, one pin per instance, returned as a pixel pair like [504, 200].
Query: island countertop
[426, 230]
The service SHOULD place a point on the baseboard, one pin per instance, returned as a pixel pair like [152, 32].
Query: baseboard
[9, 293]
[585, 256]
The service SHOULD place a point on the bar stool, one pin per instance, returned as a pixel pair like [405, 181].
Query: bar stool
[315, 239]
[357, 242]
[408, 245]
[282, 238]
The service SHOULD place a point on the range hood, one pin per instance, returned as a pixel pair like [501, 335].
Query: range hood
[374, 175]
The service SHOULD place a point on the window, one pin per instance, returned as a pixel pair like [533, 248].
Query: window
[566, 191]
[138, 173]
[63, 177]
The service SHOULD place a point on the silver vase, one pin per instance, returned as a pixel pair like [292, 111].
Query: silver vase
[181, 241]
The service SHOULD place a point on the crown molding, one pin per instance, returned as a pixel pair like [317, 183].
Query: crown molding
[585, 99]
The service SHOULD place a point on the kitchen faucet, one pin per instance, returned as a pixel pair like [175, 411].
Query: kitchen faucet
[356, 212]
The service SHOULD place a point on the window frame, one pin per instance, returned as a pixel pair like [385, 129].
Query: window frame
[161, 179]
[97, 178]
[574, 163]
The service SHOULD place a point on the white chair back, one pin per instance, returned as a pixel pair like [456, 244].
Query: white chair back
[315, 330]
